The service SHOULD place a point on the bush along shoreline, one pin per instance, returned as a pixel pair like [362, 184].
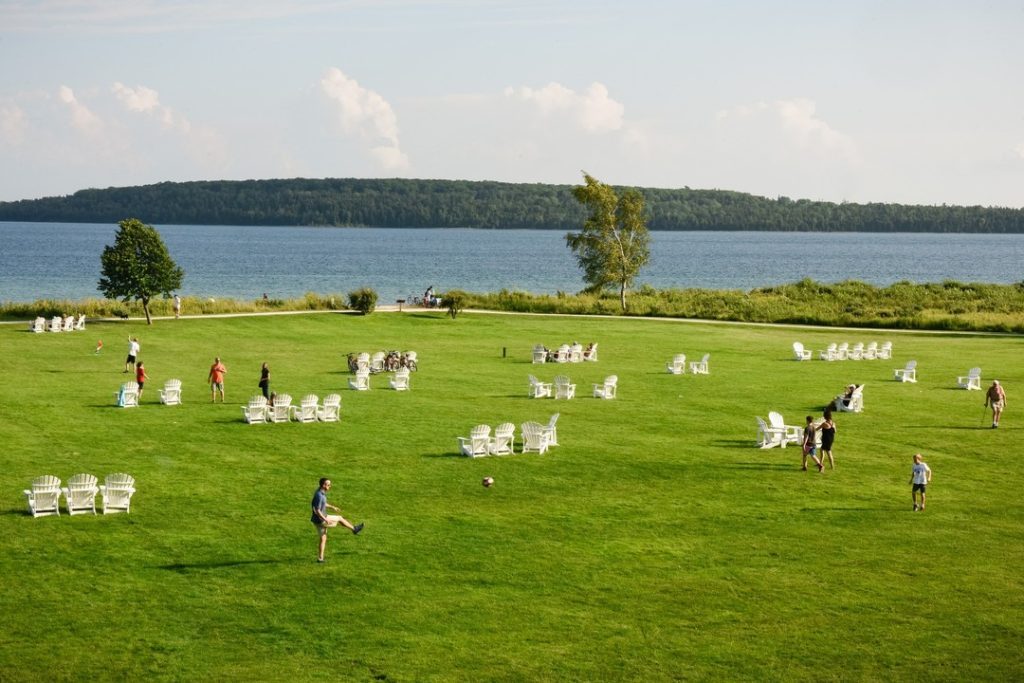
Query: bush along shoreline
[949, 305]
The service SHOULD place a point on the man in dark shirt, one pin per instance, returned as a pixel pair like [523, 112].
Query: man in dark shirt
[323, 521]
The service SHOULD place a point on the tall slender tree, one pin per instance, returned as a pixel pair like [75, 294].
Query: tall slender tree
[138, 266]
[614, 243]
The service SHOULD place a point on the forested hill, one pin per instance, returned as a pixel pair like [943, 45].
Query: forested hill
[491, 205]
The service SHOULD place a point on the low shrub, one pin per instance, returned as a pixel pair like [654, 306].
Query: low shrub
[363, 300]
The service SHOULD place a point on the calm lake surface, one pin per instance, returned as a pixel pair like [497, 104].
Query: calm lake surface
[62, 260]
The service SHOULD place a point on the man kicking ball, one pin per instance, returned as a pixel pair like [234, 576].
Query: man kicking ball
[322, 520]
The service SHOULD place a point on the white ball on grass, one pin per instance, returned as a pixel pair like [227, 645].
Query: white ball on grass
[488, 482]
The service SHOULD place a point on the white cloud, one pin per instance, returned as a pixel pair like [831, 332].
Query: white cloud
[367, 114]
[592, 110]
[81, 117]
[13, 124]
[145, 100]
[797, 120]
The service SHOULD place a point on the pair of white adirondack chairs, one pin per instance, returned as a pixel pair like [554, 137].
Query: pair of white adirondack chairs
[259, 411]
[678, 365]
[80, 494]
[399, 381]
[128, 395]
[776, 432]
[537, 438]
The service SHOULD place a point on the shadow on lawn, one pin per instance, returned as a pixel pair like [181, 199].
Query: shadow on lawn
[207, 566]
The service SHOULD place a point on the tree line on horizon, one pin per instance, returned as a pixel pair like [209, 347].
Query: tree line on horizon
[411, 203]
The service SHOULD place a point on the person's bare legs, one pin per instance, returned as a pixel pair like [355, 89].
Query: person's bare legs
[922, 500]
[323, 544]
[831, 462]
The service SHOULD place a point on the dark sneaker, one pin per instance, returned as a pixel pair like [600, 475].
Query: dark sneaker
[357, 528]
[320, 560]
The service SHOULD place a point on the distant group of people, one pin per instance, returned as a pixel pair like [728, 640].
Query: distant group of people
[393, 360]
[430, 299]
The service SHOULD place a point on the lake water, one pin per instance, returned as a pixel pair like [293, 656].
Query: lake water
[62, 260]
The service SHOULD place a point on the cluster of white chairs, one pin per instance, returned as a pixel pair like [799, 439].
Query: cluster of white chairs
[775, 432]
[399, 381]
[128, 395]
[80, 494]
[566, 353]
[536, 438]
[58, 324]
[381, 361]
[972, 380]
[699, 367]
[309, 409]
[843, 351]
[563, 387]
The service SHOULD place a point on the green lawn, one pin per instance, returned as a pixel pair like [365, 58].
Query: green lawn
[655, 543]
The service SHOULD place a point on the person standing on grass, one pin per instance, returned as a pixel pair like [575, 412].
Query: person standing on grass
[265, 381]
[133, 353]
[996, 397]
[177, 306]
[322, 521]
[217, 372]
[809, 444]
[920, 477]
[140, 377]
[828, 435]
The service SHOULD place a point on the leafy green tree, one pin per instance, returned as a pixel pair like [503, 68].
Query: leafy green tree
[614, 243]
[138, 266]
[454, 300]
[363, 300]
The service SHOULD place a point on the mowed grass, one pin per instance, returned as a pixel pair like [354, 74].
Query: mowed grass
[655, 543]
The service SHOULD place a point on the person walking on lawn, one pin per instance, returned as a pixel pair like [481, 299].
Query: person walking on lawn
[996, 397]
[322, 521]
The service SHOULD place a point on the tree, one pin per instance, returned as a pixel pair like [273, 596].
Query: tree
[138, 266]
[454, 300]
[612, 247]
[363, 300]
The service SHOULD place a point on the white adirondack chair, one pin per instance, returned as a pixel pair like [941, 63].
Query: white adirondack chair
[281, 411]
[608, 388]
[44, 496]
[854, 404]
[700, 367]
[576, 353]
[552, 430]
[906, 374]
[857, 351]
[562, 355]
[128, 395]
[871, 351]
[829, 353]
[377, 362]
[363, 362]
[80, 494]
[885, 351]
[170, 395]
[843, 351]
[799, 352]
[591, 354]
[69, 324]
[330, 411]
[535, 438]
[478, 442]
[38, 325]
[503, 442]
[540, 354]
[790, 433]
[117, 491]
[256, 412]
[767, 436]
[400, 380]
[361, 381]
[678, 364]
[80, 323]
[564, 388]
[56, 324]
[971, 381]
[307, 409]
[539, 389]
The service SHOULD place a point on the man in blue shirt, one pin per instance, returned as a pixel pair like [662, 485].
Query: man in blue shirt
[322, 520]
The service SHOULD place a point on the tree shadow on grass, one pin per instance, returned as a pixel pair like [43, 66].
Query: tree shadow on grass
[761, 466]
[445, 455]
[184, 568]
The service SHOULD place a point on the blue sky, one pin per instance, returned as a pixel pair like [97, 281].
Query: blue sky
[911, 102]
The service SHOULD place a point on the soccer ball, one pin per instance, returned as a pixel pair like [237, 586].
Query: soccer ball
[488, 482]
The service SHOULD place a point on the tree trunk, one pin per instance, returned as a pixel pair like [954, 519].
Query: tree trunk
[145, 308]
[622, 295]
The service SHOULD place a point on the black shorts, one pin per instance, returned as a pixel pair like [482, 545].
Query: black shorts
[131, 359]
[141, 384]
[918, 487]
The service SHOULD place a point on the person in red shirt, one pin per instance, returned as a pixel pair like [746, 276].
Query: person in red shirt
[140, 377]
[217, 372]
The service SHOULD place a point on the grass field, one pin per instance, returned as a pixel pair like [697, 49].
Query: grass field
[655, 543]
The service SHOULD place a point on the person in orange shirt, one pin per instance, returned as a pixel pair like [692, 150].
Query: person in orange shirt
[217, 372]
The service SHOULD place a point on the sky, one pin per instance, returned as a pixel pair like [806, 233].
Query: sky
[868, 101]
